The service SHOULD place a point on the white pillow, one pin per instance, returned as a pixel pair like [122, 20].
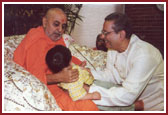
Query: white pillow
[24, 92]
[95, 59]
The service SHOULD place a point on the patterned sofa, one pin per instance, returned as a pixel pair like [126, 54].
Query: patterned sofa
[23, 92]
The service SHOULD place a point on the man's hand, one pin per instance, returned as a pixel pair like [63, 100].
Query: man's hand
[83, 64]
[96, 96]
[86, 87]
[139, 105]
[67, 75]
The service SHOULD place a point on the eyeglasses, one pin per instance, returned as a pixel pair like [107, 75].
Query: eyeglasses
[105, 33]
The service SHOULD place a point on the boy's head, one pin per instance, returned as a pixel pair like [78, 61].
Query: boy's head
[58, 58]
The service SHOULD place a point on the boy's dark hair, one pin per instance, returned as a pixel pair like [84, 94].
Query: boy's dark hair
[121, 22]
[58, 58]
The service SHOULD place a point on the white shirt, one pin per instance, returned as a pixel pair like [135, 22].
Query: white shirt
[139, 70]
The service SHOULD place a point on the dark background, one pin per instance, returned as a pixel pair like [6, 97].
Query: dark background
[148, 23]
[19, 18]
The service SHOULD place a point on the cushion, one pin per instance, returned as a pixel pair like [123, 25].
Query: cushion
[23, 91]
[10, 44]
[95, 59]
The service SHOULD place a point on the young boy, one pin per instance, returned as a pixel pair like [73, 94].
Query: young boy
[57, 59]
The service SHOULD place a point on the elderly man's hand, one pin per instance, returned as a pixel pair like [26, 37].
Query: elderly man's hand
[69, 75]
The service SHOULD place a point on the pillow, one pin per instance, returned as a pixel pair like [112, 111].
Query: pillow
[10, 44]
[95, 59]
[24, 92]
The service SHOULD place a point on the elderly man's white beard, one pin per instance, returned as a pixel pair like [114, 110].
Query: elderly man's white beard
[54, 36]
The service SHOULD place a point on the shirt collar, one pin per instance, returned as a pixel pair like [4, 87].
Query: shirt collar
[133, 39]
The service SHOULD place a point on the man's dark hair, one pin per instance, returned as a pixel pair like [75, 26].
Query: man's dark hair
[58, 58]
[121, 22]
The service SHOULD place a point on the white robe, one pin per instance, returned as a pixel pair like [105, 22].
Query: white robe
[140, 72]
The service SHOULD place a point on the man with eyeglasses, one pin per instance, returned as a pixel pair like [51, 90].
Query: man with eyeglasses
[135, 66]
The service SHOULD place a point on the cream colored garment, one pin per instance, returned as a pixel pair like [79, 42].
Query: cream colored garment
[139, 70]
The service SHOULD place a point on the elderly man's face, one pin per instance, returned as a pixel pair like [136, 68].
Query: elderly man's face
[55, 25]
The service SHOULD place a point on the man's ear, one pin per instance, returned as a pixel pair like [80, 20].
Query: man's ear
[44, 22]
[122, 34]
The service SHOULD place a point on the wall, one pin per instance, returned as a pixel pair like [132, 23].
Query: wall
[148, 23]
[19, 18]
[93, 18]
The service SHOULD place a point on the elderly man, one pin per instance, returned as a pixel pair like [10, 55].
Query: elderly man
[134, 65]
[31, 55]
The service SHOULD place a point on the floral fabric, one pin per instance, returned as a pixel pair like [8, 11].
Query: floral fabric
[95, 59]
[23, 91]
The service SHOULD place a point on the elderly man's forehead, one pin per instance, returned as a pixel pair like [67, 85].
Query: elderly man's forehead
[55, 11]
